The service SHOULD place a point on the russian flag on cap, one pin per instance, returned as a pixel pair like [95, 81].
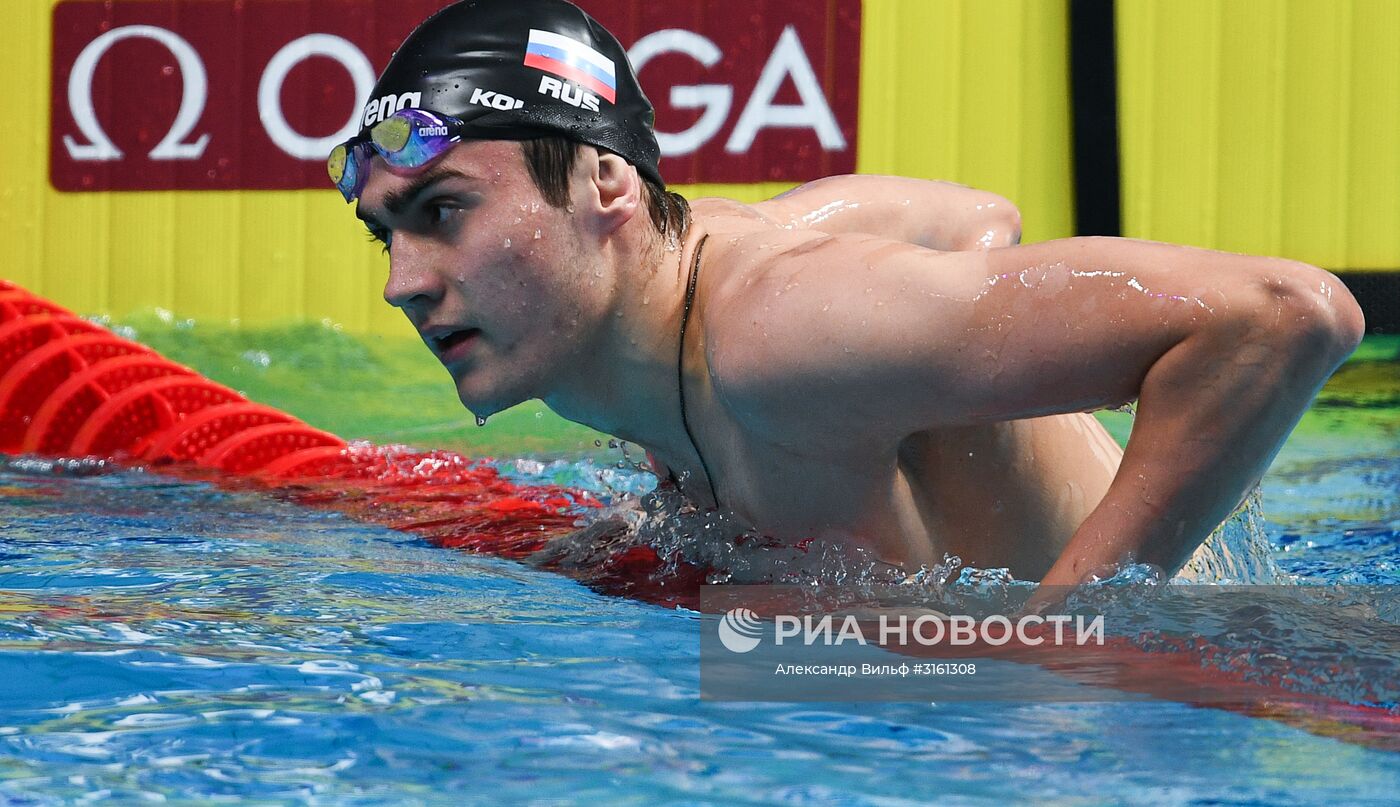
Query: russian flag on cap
[573, 60]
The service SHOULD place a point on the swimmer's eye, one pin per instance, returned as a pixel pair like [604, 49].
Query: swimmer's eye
[378, 235]
[439, 211]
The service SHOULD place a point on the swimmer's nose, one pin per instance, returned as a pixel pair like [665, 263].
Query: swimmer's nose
[412, 282]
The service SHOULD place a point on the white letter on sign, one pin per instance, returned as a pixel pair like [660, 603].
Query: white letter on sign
[713, 98]
[788, 59]
[270, 93]
[196, 92]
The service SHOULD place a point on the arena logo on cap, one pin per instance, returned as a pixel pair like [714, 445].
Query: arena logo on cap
[381, 108]
[572, 60]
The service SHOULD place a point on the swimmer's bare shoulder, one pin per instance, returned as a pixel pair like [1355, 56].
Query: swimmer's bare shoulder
[831, 220]
[939, 215]
[787, 312]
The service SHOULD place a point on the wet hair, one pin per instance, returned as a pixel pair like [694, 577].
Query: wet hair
[551, 159]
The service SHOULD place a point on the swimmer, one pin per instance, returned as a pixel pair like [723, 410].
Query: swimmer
[872, 360]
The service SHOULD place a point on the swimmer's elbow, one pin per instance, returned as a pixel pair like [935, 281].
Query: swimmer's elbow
[1310, 310]
[1346, 322]
[1011, 224]
[996, 223]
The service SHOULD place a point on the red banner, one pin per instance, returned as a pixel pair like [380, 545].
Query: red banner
[252, 94]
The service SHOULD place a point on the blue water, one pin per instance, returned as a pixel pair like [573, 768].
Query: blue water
[163, 639]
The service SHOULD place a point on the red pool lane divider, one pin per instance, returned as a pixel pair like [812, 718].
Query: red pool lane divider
[71, 388]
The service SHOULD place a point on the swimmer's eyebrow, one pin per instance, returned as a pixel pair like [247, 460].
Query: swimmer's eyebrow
[398, 202]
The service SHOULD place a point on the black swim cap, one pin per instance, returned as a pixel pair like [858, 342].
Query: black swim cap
[521, 69]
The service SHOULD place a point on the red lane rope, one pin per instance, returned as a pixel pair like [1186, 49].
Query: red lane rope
[71, 388]
[188, 438]
[28, 382]
[64, 413]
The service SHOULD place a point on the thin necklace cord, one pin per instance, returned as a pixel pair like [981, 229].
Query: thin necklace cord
[680, 364]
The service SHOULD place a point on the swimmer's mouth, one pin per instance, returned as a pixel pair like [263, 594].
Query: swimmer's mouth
[444, 342]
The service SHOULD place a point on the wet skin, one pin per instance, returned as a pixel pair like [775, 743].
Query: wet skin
[871, 359]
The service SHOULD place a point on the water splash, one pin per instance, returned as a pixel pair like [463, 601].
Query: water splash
[63, 466]
[1238, 551]
[691, 546]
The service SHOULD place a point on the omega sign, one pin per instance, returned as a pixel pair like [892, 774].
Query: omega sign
[252, 94]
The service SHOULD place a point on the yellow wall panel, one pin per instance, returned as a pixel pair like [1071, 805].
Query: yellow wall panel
[1263, 126]
[1372, 201]
[972, 91]
[206, 236]
[24, 57]
[1316, 76]
[272, 259]
[140, 269]
[1248, 193]
[975, 91]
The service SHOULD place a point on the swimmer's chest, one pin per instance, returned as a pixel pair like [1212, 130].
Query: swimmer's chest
[994, 496]
[792, 494]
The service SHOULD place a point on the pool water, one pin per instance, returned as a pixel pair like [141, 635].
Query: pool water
[174, 640]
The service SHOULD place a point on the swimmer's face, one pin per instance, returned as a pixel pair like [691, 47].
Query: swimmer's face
[501, 285]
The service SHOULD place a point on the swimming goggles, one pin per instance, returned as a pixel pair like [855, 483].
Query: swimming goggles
[408, 139]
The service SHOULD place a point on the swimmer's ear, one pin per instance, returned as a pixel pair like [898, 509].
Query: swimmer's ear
[615, 189]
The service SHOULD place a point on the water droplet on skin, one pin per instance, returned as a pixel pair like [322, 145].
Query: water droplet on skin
[537, 235]
[569, 208]
[507, 243]
[480, 421]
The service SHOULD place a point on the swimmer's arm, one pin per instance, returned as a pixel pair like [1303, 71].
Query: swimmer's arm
[938, 215]
[1222, 351]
